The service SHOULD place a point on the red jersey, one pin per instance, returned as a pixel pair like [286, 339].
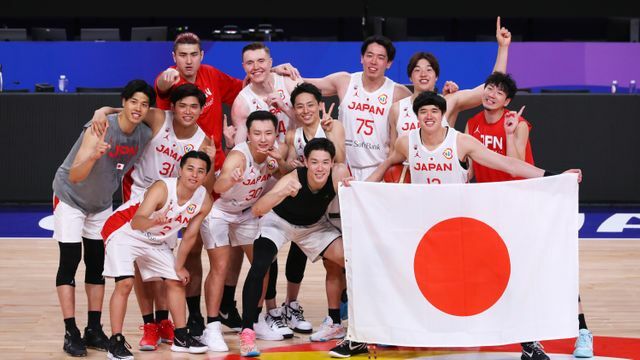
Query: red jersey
[219, 88]
[494, 137]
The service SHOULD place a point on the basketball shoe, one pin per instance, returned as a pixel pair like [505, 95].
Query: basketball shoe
[328, 331]
[150, 337]
[294, 316]
[533, 351]
[584, 344]
[348, 348]
[119, 348]
[231, 317]
[95, 339]
[73, 344]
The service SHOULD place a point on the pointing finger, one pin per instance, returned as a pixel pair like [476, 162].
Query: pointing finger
[521, 110]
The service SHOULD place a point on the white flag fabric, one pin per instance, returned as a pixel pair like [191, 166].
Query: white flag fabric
[461, 264]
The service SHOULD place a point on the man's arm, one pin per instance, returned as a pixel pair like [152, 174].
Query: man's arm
[398, 155]
[154, 199]
[470, 98]
[292, 156]
[393, 125]
[189, 237]
[331, 84]
[166, 80]
[91, 149]
[154, 119]
[239, 114]
[288, 185]
[336, 135]
[231, 172]
[471, 147]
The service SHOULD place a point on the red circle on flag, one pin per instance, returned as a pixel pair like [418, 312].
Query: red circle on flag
[462, 266]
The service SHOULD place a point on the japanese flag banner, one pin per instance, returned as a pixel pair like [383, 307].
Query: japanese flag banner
[461, 265]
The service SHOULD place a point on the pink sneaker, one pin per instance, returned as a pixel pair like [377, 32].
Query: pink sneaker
[248, 345]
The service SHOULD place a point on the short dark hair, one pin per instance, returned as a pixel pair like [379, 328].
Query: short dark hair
[380, 40]
[413, 62]
[429, 98]
[137, 85]
[322, 144]
[256, 46]
[306, 87]
[186, 90]
[262, 115]
[196, 155]
[503, 82]
[186, 38]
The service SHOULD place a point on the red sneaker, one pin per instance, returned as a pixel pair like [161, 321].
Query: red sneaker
[150, 337]
[165, 331]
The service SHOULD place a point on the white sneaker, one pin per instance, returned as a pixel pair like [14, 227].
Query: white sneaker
[264, 331]
[212, 337]
[329, 331]
[294, 317]
[276, 322]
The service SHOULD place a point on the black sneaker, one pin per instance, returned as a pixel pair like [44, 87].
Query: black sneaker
[196, 325]
[348, 348]
[533, 351]
[96, 339]
[73, 344]
[119, 348]
[231, 318]
[188, 345]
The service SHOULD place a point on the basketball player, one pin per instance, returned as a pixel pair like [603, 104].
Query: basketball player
[294, 210]
[83, 190]
[423, 71]
[219, 88]
[507, 133]
[143, 230]
[242, 180]
[266, 91]
[173, 133]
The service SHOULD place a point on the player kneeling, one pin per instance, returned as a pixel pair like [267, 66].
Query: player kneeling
[141, 230]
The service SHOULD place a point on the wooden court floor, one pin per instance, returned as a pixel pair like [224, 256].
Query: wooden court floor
[32, 326]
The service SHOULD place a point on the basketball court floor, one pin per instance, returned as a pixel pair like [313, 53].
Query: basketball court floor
[32, 326]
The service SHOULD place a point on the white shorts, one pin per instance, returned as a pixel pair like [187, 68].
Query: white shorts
[155, 262]
[311, 239]
[362, 173]
[222, 228]
[70, 225]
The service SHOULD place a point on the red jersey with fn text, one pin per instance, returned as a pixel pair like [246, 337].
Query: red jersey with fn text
[494, 137]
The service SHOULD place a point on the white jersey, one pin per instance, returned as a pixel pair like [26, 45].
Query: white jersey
[120, 221]
[365, 117]
[299, 140]
[440, 166]
[255, 102]
[407, 119]
[160, 159]
[254, 182]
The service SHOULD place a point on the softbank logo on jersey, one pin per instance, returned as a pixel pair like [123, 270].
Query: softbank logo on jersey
[123, 150]
[372, 109]
[362, 144]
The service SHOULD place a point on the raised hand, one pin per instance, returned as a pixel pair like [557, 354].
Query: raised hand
[286, 69]
[236, 175]
[101, 146]
[503, 36]
[511, 121]
[171, 76]
[229, 132]
[211, 149]
[450, 87]
[274, 100]
[326, 121]
[99, 122]
[295, 163]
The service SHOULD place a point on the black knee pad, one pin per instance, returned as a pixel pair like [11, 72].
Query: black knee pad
[273, 279]
[264, 252]
[70, 254]
[296, 264]
[93, 261]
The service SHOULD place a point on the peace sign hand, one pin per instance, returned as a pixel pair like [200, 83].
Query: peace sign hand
[326, 121]
[161, 218]
[229, 132]
[211, 149]
[511, 121]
